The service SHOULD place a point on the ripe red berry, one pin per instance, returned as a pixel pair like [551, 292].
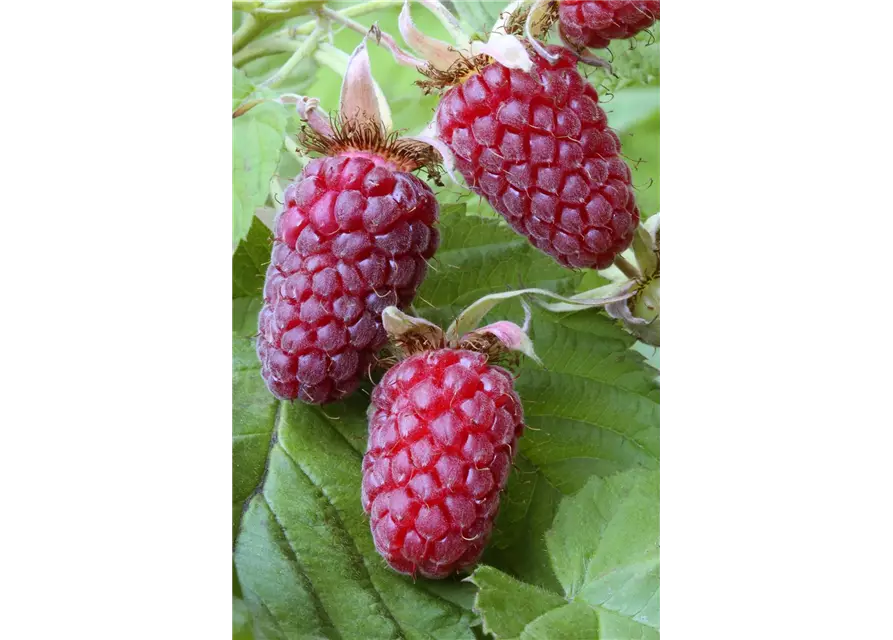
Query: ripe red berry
[594, 23]
[352, 238]
[443, 428]
[537, 146]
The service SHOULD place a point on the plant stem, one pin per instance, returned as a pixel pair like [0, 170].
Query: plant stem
[349, 12]
[261, 17]
[627, 267]
[249, 28]
[380, 38]
[302, 52]
[284, 40]
[264, 47]
[245, 107]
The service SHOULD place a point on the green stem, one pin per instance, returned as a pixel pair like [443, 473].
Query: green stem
[627, 267]
[263, 16]
[248, 30]
[349, 12]
[245, 107]
[302, 52]
[284, 40]
[264, 47]
[382, 39]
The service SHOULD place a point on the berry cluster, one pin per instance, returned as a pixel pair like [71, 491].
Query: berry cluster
[357, 228]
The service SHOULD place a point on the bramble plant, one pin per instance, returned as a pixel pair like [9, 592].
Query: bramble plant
[382, 487]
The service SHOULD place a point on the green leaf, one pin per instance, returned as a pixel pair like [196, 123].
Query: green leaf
[258, 137]
[641, 148]
[250, 261]
[242, 87]
[569, 621]
[526, 511]
[254, 415]
[635, 62]
[605, 551]
[593, 408]
[629, 107]
[478, 256]
[245, 311]
[478, 15]
[305, 557]
[506, 605]
[241, 621]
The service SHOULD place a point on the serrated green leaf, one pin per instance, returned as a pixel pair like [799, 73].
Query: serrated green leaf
[258, 137]
[242, 87]
[250, 261]
[574, 620]
[478, 256]
[605, 551]
[506, 605]
[592, 408]
[604, 546]
[526, 511]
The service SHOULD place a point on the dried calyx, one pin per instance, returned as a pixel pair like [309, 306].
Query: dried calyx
[446, 64]
[363, 125]
[511, 42]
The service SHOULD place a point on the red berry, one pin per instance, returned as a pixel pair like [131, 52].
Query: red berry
[443, 429]
[537, 146]
[352, 238]
[594, 23]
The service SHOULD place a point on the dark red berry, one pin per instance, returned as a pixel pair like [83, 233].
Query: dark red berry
[352, 238]
[443, 429]
[594, 23]
[537, 146]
